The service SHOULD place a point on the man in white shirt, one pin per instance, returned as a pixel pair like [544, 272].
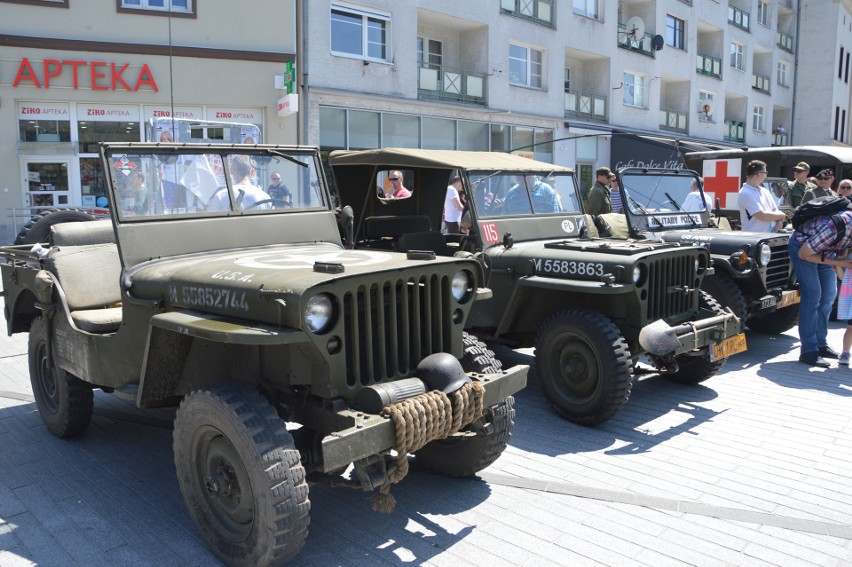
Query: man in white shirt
[758, 211]
[693, 201]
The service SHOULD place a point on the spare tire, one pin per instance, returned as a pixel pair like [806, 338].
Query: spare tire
[38, 227]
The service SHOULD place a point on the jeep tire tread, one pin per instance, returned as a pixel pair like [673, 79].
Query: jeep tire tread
[38, 227]
[583, 364]
[696, 369]
[727, 294]
[64, 402]
[241, 476]
[481, 443]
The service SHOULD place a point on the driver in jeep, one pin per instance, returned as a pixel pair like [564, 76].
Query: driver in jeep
[246, 193]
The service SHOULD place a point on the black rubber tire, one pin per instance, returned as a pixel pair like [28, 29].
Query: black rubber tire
[482, 442]
[726, 293]
[777, 321]
[64, 402]
[241, 476]
[584, 366]
[696, 369]
[38, 227]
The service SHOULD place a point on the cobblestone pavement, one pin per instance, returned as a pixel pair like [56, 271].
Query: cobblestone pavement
[750, 468]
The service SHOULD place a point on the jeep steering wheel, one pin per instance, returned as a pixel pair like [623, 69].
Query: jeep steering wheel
[276, 204]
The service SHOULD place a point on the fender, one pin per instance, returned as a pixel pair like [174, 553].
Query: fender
[171, 334]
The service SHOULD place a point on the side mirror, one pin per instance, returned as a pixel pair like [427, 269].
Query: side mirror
[347, 216]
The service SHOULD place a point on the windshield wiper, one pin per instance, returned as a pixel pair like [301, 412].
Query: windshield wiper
[643, 210]
[288, 158]
[673, 202]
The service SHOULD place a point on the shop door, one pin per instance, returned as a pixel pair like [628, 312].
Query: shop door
[46, 183]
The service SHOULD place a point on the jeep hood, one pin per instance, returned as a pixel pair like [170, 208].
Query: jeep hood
[722, 241]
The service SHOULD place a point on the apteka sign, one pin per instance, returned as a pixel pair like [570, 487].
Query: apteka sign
[96, 75]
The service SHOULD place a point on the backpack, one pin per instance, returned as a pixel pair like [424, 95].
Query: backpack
[829, 205]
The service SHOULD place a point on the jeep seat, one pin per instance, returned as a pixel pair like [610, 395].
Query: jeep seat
[79, 233]
[89, 278]
[433, 241]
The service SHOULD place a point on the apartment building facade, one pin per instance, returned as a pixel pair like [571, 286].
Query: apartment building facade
[560, 81]
[74, 73]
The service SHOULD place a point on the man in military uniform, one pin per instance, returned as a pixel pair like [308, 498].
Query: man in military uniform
[824, 179]
[600, 201]
[800, 185]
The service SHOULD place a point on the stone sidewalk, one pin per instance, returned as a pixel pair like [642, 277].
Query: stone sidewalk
[751, 468]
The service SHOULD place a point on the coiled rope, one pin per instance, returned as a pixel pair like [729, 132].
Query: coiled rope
[421, 420]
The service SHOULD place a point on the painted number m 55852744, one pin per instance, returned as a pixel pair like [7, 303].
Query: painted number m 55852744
[568, 267]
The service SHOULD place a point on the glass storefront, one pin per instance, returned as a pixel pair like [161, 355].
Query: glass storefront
[58, 144]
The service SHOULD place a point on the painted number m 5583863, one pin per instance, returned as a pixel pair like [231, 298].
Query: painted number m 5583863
[568, 267]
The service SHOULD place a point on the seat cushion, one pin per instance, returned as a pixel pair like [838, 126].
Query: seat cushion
[89, 275]
[105, 320]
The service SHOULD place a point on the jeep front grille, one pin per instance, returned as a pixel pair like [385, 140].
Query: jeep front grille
[391, 326]
[778, 270]
[671, 282]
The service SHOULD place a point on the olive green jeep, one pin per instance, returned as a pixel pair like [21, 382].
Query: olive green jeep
[590, 306]
[292, 359]
[753, 272]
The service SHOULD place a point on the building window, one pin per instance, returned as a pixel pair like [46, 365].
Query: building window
[525, 66]
[359, 32]
[538, 10]
[705, 106]
[737, 56]
[675, 32]
[783, 69]
[634, 90]
[763, 13]
[567, 80]
[757, 118]
[164, 7]
[44, 121]
[433, 58]
[588, 8]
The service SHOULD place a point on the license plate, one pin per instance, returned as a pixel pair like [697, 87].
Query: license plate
[789, 298]
[729, 346]
[768, 302]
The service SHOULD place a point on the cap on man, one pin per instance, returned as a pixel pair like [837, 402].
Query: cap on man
[800, 185]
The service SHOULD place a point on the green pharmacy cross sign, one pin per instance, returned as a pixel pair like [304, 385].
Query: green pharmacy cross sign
[290, 78]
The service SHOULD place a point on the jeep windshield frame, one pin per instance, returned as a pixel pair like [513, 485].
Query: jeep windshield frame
[662, 199]
[195, 198]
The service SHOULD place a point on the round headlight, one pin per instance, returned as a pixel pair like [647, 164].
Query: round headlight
[765, 254]
[638, 274]
[460, 285]
[318, 312]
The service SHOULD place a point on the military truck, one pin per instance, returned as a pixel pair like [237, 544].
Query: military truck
[753, 274]
[590, 306]
[292, 359]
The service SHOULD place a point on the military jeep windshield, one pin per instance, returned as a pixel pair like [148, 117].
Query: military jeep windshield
[152, 184]
[666, 199]
[510, 194]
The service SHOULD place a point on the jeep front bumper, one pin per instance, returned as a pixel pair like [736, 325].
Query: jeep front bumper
[371, 434]
[660, 339]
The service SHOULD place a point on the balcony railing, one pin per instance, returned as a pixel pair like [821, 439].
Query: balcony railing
[539, 11]
[673, 120]
[734, 131]
[780, 139]
[760, 83]
[448, 83]
[785, 41]
[710, 66]
[739, 18]
[585, 105]
[638, 44]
